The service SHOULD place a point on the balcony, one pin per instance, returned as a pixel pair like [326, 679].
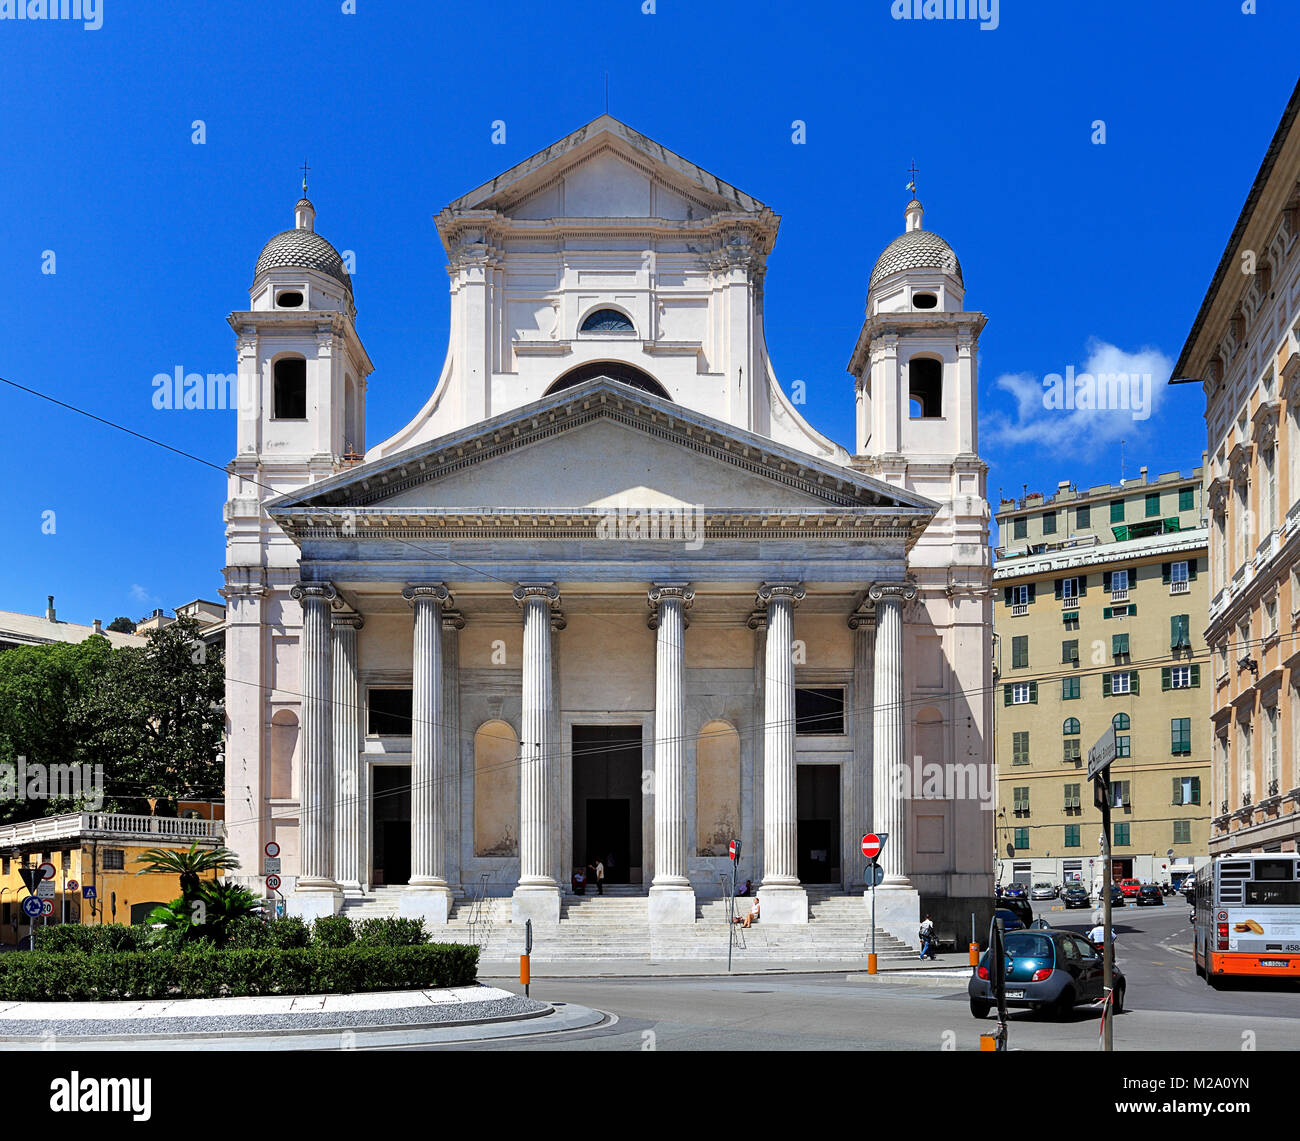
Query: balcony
[1183, 587]
[1069, 604]
[1119, 596]
[1019, 610]
[111, 826]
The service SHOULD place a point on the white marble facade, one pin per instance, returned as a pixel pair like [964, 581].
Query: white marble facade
[606, 521]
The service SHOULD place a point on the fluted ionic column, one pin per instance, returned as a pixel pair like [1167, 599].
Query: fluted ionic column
[889, 806]
[781, 898]
[427, 894]
[316, 892]
[863, 623]
[672, 900]
[537, 896]
[349, 802]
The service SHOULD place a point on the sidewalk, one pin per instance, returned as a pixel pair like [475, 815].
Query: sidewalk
[459, 1013]
[948, 966]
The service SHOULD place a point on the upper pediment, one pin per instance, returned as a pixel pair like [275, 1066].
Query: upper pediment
[607, 170]
[599, 446]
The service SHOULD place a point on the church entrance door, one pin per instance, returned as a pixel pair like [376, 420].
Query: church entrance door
[607, 800]
[390, 811]
[819, 823]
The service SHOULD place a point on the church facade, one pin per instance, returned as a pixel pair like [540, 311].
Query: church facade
[608, 596]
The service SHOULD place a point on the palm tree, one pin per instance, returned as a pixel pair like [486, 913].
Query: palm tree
[189, 866]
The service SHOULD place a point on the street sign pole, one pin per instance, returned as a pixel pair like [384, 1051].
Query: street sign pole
[1108, 949]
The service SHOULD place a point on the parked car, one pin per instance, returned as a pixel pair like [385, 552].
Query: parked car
[1075, 896]
[1149, 894]
[1117, 896]
[1043, 890]
[1047, 970]
[1010, 920]
[1015, 890]
[1020, 908]
[1130, 887]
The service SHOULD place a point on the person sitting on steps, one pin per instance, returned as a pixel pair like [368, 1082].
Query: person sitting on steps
[750, 917]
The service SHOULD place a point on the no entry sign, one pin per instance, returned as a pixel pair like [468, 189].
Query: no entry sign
[871, 845]
[733, 849]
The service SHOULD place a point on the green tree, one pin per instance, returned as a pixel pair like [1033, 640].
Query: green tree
[158, 712]
[189, 866]
[121, 625]
[44, 691]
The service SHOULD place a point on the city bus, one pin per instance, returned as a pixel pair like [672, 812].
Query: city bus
[1247, 918]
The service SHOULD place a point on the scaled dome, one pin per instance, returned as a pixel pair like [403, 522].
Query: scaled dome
[916, 249]
[302, 248]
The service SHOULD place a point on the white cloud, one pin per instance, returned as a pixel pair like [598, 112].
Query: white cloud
[141, 595]
[1060, 409]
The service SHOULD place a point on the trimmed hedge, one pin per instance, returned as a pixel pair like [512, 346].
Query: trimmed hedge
[91, 938]
[391, 932]
[72, 976]
[334, 931]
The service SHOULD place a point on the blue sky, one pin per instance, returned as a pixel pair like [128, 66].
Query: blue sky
[1076, 251]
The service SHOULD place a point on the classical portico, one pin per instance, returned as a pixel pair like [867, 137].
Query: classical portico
[608, 597]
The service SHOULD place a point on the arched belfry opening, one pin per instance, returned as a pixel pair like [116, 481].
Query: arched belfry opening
[615, 370]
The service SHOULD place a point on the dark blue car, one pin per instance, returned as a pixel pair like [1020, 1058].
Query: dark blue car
[1046, 970]
[1016, 890]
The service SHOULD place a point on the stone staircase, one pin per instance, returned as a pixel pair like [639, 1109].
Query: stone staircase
[616, 926]
[378, 903]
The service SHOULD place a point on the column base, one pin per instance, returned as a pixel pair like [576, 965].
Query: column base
[782, 903]
[671, 903]
[898, 912]
[538, 902]
[316, 900]
[430, 902]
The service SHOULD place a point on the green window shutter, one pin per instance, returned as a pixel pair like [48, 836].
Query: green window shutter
[1178, 791]
[1105, 581]
[1196, 790]
[1166, 678]
[1056, 585]
[1165, 572]
[1132, 609]
[1191, 569]
[1031, 591]
[1106, 611]
[1105, 685]
[1083, 585]
[1006, 595]
[1196, 677]
[1133, 682]
[1033, 693]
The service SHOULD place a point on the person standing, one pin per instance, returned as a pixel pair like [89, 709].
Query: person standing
[600, 877]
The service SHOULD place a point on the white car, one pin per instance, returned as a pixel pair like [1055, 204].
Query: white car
[1043, 891]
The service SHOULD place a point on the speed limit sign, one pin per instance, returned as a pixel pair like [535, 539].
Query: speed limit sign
[273, 883]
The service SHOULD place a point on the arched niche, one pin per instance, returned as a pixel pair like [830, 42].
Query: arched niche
[496, 790]
[717, 788]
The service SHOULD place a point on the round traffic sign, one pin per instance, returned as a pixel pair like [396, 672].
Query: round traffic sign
[273, 883]
[31, 906]
[731, 849]
[47, 907]
[46, 869]
[871, 845]
[272, 849]
[73, 885]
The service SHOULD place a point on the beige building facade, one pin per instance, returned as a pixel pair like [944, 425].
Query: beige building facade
[1100, 603]
[1244, 350]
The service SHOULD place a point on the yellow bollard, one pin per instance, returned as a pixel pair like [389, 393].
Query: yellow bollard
[989, 1042]
[523, 970]
[974, 954]
[871, 962]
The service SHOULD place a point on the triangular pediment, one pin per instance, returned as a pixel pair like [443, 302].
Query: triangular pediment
[603, 445]
[605, 169]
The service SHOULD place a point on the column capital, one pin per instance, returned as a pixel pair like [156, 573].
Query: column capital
[892, 592]
[772, 590]
[661, 592]
[452, 620]
[864, 617]
[317, 591]
[545, 591]
[437, 591]
[348, 618]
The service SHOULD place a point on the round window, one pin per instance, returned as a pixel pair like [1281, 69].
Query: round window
[289, 299]
[924, 301]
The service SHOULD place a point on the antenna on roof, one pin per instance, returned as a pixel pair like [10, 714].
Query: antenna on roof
[1121, 461]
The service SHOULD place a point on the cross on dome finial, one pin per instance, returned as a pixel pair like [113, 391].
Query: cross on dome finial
[305, 169]
[911, 183]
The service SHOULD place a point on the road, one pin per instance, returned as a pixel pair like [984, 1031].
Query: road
[1169, 1007]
